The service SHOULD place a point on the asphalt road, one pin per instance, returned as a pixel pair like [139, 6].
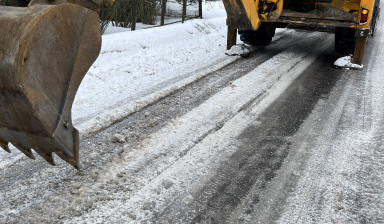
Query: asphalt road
[281, 136]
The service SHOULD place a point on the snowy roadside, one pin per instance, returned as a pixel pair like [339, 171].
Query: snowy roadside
[138, 68]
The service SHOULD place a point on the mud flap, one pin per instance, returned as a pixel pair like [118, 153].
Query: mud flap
[361, 40]
[231, 37]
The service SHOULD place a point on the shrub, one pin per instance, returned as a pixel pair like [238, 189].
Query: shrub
[122, 13]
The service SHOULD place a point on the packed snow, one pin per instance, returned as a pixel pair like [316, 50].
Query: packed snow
[178, 137]
[240, 50]
[346, 62]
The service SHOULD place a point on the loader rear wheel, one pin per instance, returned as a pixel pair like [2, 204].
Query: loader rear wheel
[18, 3]
[345, 40]
[260, 37]
[375, 16]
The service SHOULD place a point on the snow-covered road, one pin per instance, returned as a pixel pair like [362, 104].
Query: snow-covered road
[135, 69]
[278, 137]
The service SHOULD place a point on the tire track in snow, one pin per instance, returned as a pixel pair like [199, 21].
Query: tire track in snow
[141, 206]
[342, 181]
[25, 179]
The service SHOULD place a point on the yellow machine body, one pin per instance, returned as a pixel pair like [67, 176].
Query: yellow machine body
[249, 14]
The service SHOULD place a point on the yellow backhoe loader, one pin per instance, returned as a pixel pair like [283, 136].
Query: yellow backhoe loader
[46, 48]
[256, 20]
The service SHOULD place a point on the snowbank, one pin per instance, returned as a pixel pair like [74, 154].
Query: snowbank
[137, 68]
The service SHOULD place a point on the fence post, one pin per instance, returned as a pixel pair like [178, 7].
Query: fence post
[184, 10]
[201, 9]
[163, 11]
[134, 15]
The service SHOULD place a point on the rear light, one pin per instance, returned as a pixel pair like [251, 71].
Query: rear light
[364, 16]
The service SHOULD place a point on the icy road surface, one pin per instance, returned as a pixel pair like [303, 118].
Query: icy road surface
[278, 137]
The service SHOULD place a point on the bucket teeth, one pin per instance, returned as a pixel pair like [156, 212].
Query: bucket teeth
[72, 161]
[75, 160]
[48, 156]
[4, 146]
[44, 146]
[26, 151]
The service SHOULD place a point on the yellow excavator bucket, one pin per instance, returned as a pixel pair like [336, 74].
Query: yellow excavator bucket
[45, 51]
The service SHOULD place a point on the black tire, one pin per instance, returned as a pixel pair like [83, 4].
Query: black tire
[375, 16]
[260, 37]
[345, 40]
[17, 3]
[281, 25]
